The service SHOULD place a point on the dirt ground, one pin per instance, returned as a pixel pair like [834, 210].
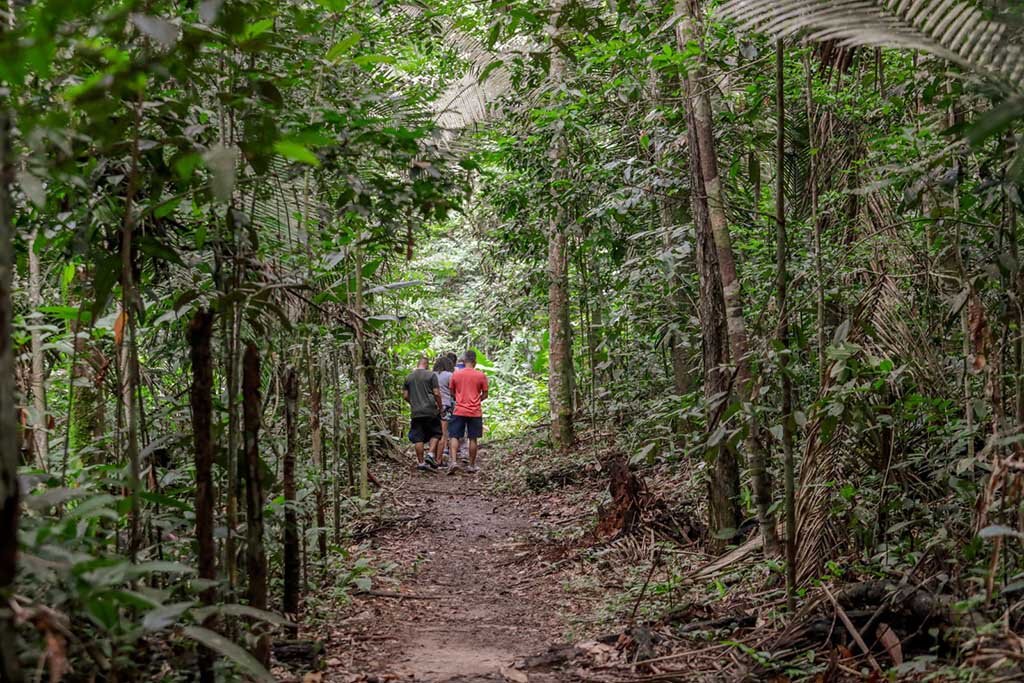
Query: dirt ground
[471, 598]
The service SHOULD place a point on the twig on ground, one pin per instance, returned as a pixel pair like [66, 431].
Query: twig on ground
[854, 633]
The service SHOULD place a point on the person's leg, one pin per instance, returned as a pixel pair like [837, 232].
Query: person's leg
[472, 453]
[443, 443]
[456, 428]
[430, 452]
[474, 430]
[419, 452]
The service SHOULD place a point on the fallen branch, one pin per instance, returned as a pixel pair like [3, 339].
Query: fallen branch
[841, 613]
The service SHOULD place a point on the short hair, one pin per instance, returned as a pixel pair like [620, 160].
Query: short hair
[470, 356]
[423, 361]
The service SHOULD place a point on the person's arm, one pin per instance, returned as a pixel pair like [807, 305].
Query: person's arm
[437, 392]
[483, 393]
[405, 391]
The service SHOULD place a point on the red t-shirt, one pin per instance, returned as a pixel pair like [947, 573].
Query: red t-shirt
[468, 386]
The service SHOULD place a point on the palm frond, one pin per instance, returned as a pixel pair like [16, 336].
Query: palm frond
[951, 29]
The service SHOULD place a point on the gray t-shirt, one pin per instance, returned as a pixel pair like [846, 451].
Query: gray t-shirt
[443, 379]
[421, 384]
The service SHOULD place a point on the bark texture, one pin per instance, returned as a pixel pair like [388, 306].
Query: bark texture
[701, 121]
[256, 557]
[560, 363]
[290, 602]
[9, 495]
[200, 331]
[724, 483]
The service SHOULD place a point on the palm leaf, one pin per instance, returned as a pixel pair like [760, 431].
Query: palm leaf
[950, 29]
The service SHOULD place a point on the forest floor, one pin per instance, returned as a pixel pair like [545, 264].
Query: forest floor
[467, 594]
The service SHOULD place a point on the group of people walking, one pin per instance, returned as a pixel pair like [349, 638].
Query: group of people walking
[446, 406]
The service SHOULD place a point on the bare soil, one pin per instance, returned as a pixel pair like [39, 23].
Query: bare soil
[469, 595]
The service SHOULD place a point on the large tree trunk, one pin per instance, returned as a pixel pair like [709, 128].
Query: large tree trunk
[724, 482]
[256, 557]
[199, 333]
[560, 363]
[9, 668]
[698, 93]
[40, 432]
[290, 602]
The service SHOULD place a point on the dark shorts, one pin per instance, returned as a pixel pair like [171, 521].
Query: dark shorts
[461, 426]
[423, 429]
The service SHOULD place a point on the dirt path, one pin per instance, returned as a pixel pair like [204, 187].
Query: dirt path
[478, 598]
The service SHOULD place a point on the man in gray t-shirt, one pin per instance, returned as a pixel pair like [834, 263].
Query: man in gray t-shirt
[423, 394]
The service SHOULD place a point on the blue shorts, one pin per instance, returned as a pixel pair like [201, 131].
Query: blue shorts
[461, 426]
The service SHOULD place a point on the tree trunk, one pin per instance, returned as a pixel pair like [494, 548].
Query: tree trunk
[360, 370]
[86, 412]
[698, 88]
[256, 557]
[232, 353]
[9, 494]
[724, 482]
[560, 364]
[200, 332]
[290, 602]
[781, 282]
[339, 448]
[40, 432]
[317, 448]
[131, 365]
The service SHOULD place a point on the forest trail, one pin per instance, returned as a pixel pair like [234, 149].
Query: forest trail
[479, 601]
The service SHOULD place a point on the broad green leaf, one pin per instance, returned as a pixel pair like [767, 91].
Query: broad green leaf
[221, 645]
[237, 610]
[296, 152]
[343, 46]
[164, 616]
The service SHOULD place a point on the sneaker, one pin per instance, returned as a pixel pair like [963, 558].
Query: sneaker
[429, 460]
[453, 469]
[471, 469]
[423, 467]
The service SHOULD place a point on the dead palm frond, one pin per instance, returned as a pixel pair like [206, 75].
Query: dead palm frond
[951, 29]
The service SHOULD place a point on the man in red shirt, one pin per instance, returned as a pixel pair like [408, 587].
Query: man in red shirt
[469, 388]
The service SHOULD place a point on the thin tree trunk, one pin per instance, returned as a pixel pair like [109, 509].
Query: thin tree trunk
[9, 494]
[232, 355]
[812, 181]
[290, 602]
[698, 87]
[560, 364]
[339, 442]
[40, 431]
[128, 300]
[200, 332]
[360, 370]
[317, 448]
[256, 557]
[781, 282]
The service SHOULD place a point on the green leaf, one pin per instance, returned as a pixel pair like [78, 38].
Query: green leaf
[158, 566]
[232, 651]
[237, 610]
[164, 616]
[296, 152]
[343, 46]
[371, 59]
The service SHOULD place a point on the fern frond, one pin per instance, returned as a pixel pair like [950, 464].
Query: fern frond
[951, 29]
